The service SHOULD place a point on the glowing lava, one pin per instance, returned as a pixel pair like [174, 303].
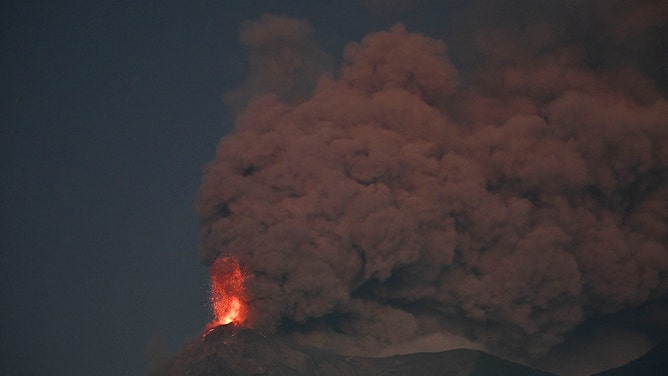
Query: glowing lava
[228, 296]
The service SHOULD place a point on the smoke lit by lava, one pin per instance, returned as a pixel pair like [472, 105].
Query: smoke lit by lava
[411, 200]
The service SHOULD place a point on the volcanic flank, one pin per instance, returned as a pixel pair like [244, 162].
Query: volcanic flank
[231, 351]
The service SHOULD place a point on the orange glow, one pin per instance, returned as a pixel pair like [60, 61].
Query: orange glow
[228, 296]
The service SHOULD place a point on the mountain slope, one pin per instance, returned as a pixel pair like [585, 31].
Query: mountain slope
[654, 363]
[230, 351]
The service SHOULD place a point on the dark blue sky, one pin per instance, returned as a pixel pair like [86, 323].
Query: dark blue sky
[109, 111]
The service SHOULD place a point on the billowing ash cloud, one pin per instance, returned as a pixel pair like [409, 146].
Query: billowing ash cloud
[403, 199]
[284, 59]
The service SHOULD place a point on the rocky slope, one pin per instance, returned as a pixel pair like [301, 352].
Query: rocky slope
[654, 363]
[230, 351]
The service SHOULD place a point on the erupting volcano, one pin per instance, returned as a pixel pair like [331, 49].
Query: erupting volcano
[227, 293]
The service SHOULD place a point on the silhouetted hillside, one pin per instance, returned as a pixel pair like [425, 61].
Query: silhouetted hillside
[654, 363]
[228, 351]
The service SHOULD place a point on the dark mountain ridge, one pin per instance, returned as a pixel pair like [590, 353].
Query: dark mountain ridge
[654, 363]
[232, 351]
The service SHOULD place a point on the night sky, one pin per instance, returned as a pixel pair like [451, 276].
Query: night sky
[109, 113]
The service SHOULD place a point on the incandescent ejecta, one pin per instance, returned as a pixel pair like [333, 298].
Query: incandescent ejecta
[228, 296]
[403, 197]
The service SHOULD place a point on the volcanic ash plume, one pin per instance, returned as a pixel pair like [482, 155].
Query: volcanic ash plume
[284, 59]
[401, 199]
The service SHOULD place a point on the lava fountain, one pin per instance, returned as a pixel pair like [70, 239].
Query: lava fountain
[228, 296]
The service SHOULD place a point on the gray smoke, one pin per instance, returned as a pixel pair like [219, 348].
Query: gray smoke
[403, 199]
[284, 58]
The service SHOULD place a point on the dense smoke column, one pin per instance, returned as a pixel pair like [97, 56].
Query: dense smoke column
[399, 199]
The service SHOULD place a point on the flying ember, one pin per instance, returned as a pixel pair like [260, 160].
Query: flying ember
[227, 293]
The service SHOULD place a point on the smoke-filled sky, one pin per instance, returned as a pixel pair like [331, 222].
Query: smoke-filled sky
[396, 176]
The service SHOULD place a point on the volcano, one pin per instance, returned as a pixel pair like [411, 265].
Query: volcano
[654, 363]
[230, 350]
